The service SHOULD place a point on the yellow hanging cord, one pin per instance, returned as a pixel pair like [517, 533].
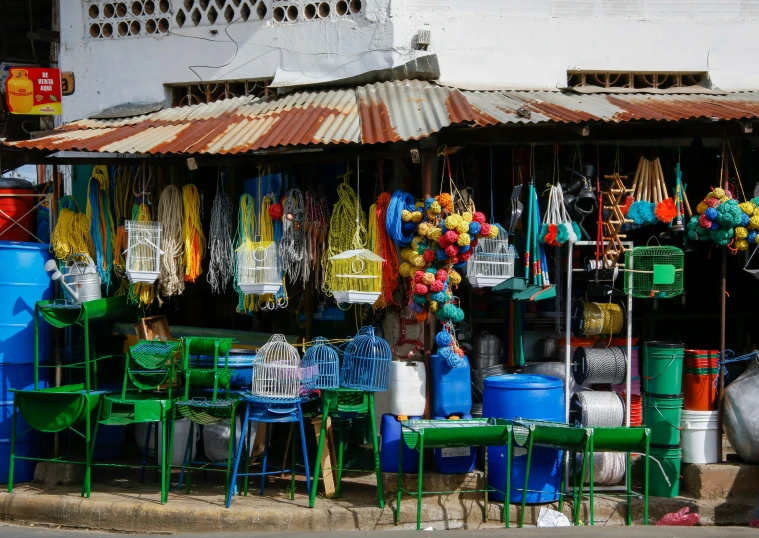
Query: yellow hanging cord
[142, 293]
[194, 240]
[122, 202]
[375, 269]
[71, 234]
[246, 229]
[347, 231]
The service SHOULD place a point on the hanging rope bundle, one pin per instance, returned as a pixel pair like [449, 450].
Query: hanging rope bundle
[220, 242]
[170, 214]
[347, 230]
[246, 230]
[122, 196]
[194, 240]
[400, 232]
[292, 246]
[375, 245]
[100, 220]
[141, 293]
[72, 231]
[317, 219]
[387, 250]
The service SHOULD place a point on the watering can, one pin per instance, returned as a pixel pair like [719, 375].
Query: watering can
[80, 280]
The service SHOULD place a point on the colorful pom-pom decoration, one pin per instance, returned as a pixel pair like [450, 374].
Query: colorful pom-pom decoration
[433, 306]
[423, 228]
[474, 228]
[414, 307]
[463, 227]
[406, 215]
[467, 216]
[435, 208]
[419, 261]
[485, 229]
[454, 277]
[420, 299]
[405, 270]
[441, 255]
[443, 339]
[666, 210]
[441, 275]
[452, 221]
[704, 222]
[479, 216]
[416, 216]
[741, 244]
[421, 289]
[451, 237]
[701, 207]
[428, 278]
[713, 202]
[493, 232]
[436, 286]
[418, 276]
[451, 251]
[429, 256]
[741, 232]
[463, 239]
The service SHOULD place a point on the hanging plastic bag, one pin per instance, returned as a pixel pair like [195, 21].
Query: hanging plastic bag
[552, 518]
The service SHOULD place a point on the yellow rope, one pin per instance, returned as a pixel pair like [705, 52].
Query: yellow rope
[347, 231]
[194, 240]
[246, 230]
[375, 269]
[142, 293]
[71, 234]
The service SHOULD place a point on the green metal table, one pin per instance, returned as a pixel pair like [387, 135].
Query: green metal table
[421, 434]
[585, 440]
[346, 403]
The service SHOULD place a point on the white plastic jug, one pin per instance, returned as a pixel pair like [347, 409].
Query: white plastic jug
[700, 437]
[181, 430]
[408, 386]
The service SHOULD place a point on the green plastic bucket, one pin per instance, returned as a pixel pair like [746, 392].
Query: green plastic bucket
[664, 471]
[662, 416]
[663, 368]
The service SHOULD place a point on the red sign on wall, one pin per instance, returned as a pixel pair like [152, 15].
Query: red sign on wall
[34, 91]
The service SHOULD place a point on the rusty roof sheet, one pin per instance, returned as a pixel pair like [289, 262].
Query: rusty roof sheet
[374, 113]
[493, 108]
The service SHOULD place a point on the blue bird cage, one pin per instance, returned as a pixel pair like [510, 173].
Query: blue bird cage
[320, 366]
[366, 364]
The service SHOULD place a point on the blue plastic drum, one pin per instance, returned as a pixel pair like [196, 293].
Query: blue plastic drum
[535, 397]
[456, 460]
[390, 433]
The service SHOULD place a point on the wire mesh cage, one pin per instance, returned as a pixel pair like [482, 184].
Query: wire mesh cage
[152, 354]
[492, 262]
[204, 411]
[276, 371]
[259, 268]
[654, 272]
[143, 253]
[357, 276]
[366, 364]
[320, 366]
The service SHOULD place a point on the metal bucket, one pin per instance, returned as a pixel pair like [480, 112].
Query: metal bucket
[81, 282]
[479, 361]
[487, 344]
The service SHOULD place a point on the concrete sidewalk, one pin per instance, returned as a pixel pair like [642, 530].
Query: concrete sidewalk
[123, 505]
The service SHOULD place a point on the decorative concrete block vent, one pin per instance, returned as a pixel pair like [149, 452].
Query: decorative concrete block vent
[218, 12]
[134, 18]
[285, 11]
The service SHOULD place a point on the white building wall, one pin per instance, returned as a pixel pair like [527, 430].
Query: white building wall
[480, 44]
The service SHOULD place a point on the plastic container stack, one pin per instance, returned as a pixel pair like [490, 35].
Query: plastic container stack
[700, 435]
[662, 413]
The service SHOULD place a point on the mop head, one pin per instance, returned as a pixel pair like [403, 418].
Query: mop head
[642, 213]
[625, 207]
[666, 210]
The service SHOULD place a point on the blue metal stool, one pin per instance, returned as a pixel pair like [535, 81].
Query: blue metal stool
[258, 410]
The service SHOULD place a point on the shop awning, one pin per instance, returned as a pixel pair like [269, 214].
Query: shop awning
[372, 114]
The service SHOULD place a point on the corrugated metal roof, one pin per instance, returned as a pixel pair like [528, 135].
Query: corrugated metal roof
[570, 107]
[370, 114]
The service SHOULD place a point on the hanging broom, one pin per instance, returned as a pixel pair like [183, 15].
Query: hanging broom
[666, 209]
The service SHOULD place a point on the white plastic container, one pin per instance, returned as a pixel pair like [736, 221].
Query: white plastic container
[408, 387]
[216, 438]
[700, 437]
[181, 430]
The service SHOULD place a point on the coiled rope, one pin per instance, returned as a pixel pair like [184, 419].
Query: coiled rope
[599, 365]
[602, 318]
[608, 468]
[171, 217]
[387, 251]
[347, 230]
[399, 202]
[72, 231]
[194, 240]
[100, 220]
[292, 247]
[375, 245]
[220, 242]
[600, 408]
[246, 229]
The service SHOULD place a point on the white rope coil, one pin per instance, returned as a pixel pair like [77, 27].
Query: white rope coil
[600, 408]
[171, 216]
[608, 468]
[293, 244]
[599, 365]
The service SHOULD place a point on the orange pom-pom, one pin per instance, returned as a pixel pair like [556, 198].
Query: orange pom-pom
[626, 206]
[421, 317]
[666, 210]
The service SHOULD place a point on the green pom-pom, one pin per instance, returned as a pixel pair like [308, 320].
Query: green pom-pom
[562, 234]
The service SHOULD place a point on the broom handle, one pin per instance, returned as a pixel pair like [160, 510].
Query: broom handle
[657, 183]
[643, 195]
[637, 174]
[685, 199]
[665, 194]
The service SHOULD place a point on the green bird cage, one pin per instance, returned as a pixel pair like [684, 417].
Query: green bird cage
[654, 272]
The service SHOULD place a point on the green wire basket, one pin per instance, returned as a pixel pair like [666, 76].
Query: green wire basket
[153, 354]
[654, 272]
[148, 379]
[206, 412]
[204, 377]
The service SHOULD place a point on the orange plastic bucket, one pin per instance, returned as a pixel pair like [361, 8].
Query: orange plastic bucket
[699, 392]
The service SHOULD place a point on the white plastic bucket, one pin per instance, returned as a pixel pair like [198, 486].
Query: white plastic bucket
[216, 438]
[181, 430]
[700, 437]
[408, 388]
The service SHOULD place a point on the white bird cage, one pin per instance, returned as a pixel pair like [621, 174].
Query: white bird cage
[143, 253]
[357, 276]
[259, 270]
[491, 263]
[276, 371]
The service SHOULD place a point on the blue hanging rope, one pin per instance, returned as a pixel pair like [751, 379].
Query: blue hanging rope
[398, 202]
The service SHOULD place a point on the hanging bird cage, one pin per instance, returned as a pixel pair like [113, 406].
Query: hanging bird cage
[366, 364]
[143, 253]
[321, 366]
[276, 371]
[492, 262]
[357, 276]
[654, 272]
[259, 270]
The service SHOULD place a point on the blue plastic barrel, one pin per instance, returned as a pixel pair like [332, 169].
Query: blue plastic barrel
[390, 432]
[241, 366]
[456, 460]
[23, 282]
[536, 397]
[451, 388]
[109, 444]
